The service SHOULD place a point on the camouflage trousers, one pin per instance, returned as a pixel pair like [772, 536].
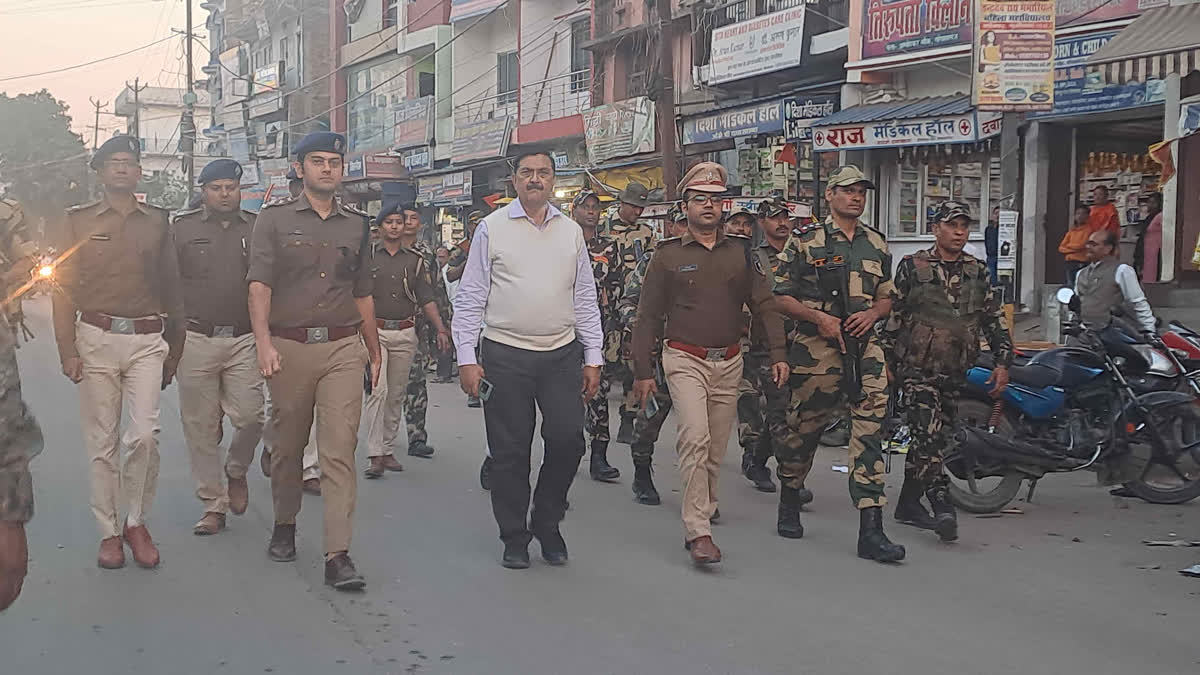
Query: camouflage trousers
[817, 398]
[646, 430]
[929, 408]
[596, 411]
[416, 399]
[761, 408]
[20, 437]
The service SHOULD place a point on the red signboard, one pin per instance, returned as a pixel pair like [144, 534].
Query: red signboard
[903, 26]
[1082, 12]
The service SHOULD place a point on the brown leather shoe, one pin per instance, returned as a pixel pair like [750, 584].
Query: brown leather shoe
[239, 494]
[264, 462]
[211, 523]
[313, 486]
[145, 553]
[704, 551]
[376, 469]
[340, 573]
[112, 554]
[391, 463]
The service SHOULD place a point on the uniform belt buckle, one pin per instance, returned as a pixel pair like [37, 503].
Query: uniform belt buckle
[316, 335]
[715, 353]
[391, 324]
[121, 326]
[224, 331]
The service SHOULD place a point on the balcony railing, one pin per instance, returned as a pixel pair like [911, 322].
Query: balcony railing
[485, 107]
[556, 97]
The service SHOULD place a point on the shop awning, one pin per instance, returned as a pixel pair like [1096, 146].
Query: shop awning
[934, 120]
[1160, 42]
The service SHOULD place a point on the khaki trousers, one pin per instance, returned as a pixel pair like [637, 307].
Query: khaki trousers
[325, 378]
[120, 371]
[704, 396]
[219, 376]
[311, 470]
[385, 405]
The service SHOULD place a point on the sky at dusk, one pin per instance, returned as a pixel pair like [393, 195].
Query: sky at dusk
[42, 35]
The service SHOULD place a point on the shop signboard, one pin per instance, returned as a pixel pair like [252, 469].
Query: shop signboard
[763, 44]
[799, 112]
[1006, 240]
[750, 120]
[1082, 12]
[264, 104]
[234, 87]
[450, 189]
[1014, 55]
[414, 122]
[268, 78]
[1078, 91]
[374, 165]
[965, 128]
[417, 159]
[232, 116]
[465, 9]
[902, 26]
[619, 129]
[485, 139]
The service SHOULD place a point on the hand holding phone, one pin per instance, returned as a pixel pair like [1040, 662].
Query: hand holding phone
[650, 408]
[485, 390]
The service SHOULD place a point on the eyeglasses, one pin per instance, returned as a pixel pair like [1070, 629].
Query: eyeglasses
[527, 173]
[704, 200]
[321, 162]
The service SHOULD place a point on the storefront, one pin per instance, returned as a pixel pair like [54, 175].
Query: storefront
[445, 200]
[919, 153]
[367, 176]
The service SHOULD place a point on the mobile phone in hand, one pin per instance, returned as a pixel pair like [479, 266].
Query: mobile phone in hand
[367, 386]
[650, 409]
[485, 390]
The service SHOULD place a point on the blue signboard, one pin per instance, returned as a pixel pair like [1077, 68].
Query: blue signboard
[751, 120]
[1077, 91]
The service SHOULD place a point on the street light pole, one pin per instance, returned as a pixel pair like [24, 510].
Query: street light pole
[188, 126]
[664, 106]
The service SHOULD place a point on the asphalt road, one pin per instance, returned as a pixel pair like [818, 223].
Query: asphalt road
[1066, 587]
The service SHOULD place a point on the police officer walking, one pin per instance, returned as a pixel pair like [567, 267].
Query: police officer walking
[310, 298]
[218, 374]
[21, 434]
[697, 285]
[402, 286]
[633, 238]
[835, 280]
[944, 303]
[416, 402]
[118, 298]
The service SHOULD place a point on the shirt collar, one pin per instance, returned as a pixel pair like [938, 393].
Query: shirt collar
[302, 203]
[516, 211]
[831, 228]
[237, 215]
[105, 205]
[687, 237]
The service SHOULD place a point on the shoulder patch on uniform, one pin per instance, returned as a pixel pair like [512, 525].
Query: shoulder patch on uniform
[758, 265]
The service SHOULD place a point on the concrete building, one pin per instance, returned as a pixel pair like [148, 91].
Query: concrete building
[154, 115]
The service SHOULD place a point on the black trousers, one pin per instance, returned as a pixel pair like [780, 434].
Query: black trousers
[522, 379]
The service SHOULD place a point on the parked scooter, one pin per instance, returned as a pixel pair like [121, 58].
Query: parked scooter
[1109, 403]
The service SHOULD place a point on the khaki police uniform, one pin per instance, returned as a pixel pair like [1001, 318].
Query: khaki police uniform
[120, 310]
[315, 269]
[402, 287]
[218, 374]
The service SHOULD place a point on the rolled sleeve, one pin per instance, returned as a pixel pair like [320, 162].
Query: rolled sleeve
[471, 298]
[262, 249]
[587, 310]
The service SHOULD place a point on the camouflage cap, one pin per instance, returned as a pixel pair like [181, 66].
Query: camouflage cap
[675, 213]
[635, 194]
[849, 175]
[583, 197]
[773, 207]
[950, 210]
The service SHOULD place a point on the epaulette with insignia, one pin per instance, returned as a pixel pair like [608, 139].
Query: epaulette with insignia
[738, 236]
[802, 228]
[81, 207]
[668, 240]
[873, 229]
[354, 209]
[280, 202]
[184, 214]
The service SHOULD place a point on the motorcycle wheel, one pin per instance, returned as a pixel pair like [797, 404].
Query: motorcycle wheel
[1180, 482]
[987, 494]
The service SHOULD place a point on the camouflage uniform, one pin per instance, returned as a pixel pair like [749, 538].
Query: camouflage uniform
[942, 309]
[633, 242]
[761, 407]
[816, 380]
[416, 400]
[608, 289]
[645, 431]
[20, 436]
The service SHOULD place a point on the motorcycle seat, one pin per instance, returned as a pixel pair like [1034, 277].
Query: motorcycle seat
[1036, 375]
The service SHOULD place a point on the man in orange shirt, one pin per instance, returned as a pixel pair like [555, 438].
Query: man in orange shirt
[1104, 213]
[1074, 243]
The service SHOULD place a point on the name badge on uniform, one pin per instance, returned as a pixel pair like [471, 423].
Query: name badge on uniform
[688, 268]
[100, 237]
[201, 241]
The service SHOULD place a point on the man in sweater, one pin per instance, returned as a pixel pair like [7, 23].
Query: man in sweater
[1107, 282]
[528, 279]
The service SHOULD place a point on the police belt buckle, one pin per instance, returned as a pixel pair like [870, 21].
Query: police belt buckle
[224, 331]
[121, 326]
[716, 353]
[316, 335]
[392, 324]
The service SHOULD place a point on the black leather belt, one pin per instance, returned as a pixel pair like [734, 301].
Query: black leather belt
[210, 329]
[316, 334]
[122, 325]
[394, 324]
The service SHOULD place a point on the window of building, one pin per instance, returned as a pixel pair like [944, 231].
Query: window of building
[771, 6]
[284, 49]
[507, 69]
[391, 13]
[426, 84]
[920, 190]
[581, 59]
[370, 117]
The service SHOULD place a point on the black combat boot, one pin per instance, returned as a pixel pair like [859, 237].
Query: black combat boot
[755, 470]
[643, 486]
[837, 435]
[945, 519]
[601, 470]
[625, 433]
[873, 544]
[909, 509]
[788, 525]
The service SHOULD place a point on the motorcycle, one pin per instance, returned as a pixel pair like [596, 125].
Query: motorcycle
[1185, 342]
[1110, 403]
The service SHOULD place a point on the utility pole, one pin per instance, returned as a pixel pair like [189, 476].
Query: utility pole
[96, 127]
[137, 108]
[188, 125]
[664, 105]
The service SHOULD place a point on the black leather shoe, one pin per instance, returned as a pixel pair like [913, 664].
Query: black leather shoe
[516, 556]
[485, 474]
[598, 466]
[340, 573]
[554, 548]
[420, 449]
[283, 543]
[644, 491]
[873, 544]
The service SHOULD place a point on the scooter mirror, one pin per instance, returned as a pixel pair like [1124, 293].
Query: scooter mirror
[1065, 295]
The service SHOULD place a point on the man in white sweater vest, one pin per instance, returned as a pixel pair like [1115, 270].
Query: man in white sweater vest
[528, 285]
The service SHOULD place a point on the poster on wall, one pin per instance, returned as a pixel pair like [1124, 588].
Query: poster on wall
[1013, 55]
[1078, 90]
[1006, 240]
[619, 129]
[763, 44]
[902, 26]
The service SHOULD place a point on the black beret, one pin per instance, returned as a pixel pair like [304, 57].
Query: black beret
[321, 141]
[389, 208]
[114, 145]
[219, 169]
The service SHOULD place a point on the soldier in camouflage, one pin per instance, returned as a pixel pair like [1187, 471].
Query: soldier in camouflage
[646, 429]
[416, 401]
[634, 238]
[585, 210]
[943, 304]
[835, 280]
[20, 436]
